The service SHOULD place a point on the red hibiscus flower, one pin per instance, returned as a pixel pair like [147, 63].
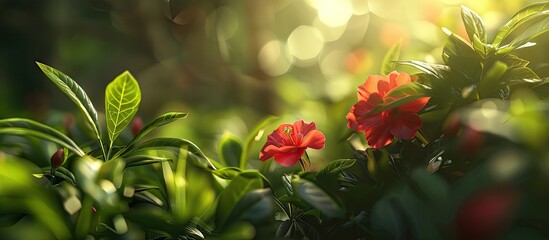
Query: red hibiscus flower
[380, 128]
[288, 142]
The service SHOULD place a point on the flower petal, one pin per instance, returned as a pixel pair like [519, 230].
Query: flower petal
[359, 118]
[415, 105]
[378, 137]
[303, 128]
[397, 79]
[406, 125]
[314, 139]
[369, 87]
[290, 158]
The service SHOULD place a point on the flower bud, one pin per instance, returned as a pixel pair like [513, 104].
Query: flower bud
[452, 125]
[471, 141]
[58, 158]
[486, 214]
[137, 125]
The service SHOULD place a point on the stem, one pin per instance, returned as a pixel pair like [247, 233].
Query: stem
[103, 149]
[303, 165]
[109, 153]
[84, 219]
[422, 137]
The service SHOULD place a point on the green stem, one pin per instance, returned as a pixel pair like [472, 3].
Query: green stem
[103, 149]
[84, 219]
[422, 137]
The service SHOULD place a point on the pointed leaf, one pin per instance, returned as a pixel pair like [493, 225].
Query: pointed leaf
[75, 93]
[473, 24]
[254, 136]
[227, 173]
[239, 186]
[430, 69]
[197, 156]
[122, 98]
[388, 61]
[460, 56]
[315, 196]
[157, 122]
[229, 150]
[21, 126]
[138, 160]
[520, 75]
[254, 206]
[336, 166]
[521, 17]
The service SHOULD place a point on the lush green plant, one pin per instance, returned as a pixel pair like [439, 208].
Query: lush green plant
[473, 170]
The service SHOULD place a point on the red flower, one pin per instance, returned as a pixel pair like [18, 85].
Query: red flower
[288, 143]
[380, 128]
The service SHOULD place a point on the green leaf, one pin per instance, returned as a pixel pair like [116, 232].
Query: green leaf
[315, 196]
[392, 55]
[473, 24]
[229, 198]
[157, 122]
[26, 127]
[122, 98]
[229, 150]
[492, 79]
[160, 143]
[20, 192]
[528, 31]
[462, 58]
[139, 160]
[76, 94]
[402, 95]
[148, 197]
[430, 69]
[254, 136]
[254, 206]
[336, 166]
[227, 173]
[513, 61]
[524, 16]
[520, 75]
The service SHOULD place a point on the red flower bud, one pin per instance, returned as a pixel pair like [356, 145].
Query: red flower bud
[452, 125]
[68, 122]
[471, 141]
[57, 158]
[137, 125]
[486, 214]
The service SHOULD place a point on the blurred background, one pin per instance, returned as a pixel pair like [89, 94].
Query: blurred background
[227, 63]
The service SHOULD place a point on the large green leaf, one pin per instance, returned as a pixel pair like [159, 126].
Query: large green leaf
[491, 81]
[26, 127]
[391, 56]
[460, 56]
[473, 24]
[229, 198]
[76, 94]
[122, 98]
[336, 166]
[21, 193]
[254, 136]
[430, 69]
[157, 122]
[160, 143]
[229, 150]
[537, 25]
[315, 196]
[523, 16]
